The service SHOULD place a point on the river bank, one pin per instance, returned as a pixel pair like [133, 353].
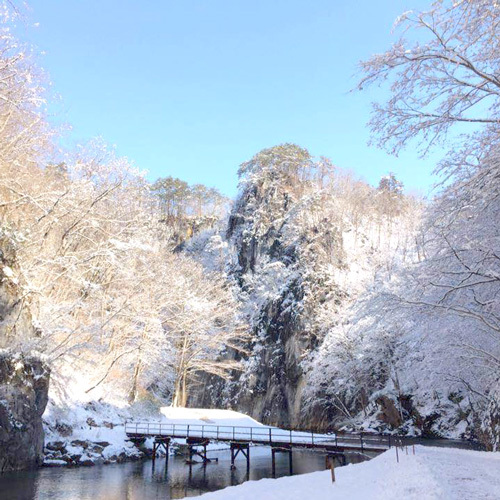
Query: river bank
[86, 434]
[428, 474]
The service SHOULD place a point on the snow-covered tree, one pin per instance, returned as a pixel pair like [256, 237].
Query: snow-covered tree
[425, 338]
[446, 78]
[94, 260]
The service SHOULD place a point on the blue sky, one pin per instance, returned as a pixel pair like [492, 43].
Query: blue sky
[192, 88]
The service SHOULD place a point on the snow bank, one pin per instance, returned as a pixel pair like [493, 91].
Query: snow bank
[432, 473]
[89, 433]
[202, 416]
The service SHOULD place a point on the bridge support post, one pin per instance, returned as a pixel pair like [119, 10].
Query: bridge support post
[237, 447]
[282, 449]
[193, 445]
[160, 442]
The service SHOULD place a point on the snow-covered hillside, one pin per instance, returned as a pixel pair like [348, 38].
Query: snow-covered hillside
[419, 350]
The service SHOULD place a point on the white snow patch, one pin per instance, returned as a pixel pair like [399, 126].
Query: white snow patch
[202, 416]
[430, 474]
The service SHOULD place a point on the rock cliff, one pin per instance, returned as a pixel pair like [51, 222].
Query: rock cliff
[24, 378]
[24, 383]
[277, 239]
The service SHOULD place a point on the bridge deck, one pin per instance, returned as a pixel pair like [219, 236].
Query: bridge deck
[261, 435]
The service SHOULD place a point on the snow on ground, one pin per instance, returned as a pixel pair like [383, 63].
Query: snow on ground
[93, 432]
[430, 474]
[87, 433]
[87, 429]
[202, 416]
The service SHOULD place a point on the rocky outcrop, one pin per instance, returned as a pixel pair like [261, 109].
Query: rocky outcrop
[388, 413]
[78, 452]
[272, 391]
[24, 379]
[24, 384]
[284, 275]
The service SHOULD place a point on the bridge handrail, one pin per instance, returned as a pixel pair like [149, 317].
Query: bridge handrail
[259, 434]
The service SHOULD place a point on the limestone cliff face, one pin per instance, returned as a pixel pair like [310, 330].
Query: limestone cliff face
[279, 263]
[24, 384]
[273, 375]
[24, 379]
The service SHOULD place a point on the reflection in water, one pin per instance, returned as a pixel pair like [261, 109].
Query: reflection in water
[142, 481]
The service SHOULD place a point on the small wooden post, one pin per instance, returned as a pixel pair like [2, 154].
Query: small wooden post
[274, 461]
[331, 463]
[397, 455]
[414, 449]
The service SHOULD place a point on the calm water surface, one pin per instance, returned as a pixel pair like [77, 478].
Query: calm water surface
[140, 481]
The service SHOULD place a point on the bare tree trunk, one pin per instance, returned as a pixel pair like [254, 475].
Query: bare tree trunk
[133, 391]
[177, 390]
[180, 392]
[184, 391]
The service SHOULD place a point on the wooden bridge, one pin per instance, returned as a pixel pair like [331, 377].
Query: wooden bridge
[241, 438]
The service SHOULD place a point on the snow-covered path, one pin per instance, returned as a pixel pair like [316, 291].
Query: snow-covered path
[463, 474]
[430, 474]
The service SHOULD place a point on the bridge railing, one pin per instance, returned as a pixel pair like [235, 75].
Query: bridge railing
[257, 435]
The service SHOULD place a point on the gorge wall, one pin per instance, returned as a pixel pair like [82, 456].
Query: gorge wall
[24, 378]
[284, 251]
[24, 384]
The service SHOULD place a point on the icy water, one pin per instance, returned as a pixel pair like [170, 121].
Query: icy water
[139, 481]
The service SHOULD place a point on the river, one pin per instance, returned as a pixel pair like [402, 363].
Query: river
[140, 481]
